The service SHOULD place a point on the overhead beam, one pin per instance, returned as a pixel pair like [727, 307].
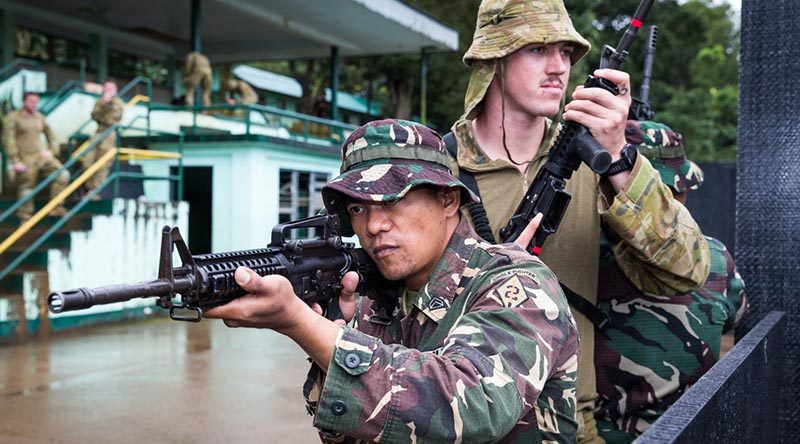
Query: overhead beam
[153, 47]
[291, 23]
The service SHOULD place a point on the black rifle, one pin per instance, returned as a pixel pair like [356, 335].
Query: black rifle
[640, 108]
[314, 267]
[574, 145]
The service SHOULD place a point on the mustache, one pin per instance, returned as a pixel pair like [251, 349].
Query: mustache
[551, 80]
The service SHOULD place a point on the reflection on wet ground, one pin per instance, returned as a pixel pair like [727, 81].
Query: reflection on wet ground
[155, 381]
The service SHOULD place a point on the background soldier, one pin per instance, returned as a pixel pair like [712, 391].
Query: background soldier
[28, 158]
[520, 58]
[479, 347]
[656, 346]
[107, 111]
[197, 72]
[241, 93]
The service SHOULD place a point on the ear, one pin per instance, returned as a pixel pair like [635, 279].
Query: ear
[451, 200]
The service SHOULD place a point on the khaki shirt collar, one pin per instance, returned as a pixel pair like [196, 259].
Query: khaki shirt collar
[471, 156]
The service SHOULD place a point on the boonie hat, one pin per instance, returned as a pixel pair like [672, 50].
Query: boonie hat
[663, 147]
[383, 160]
[505, 26]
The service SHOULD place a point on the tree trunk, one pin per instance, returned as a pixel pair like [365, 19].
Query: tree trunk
[310, 83]
[400, 94]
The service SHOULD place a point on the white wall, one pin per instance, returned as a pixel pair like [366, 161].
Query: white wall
[245, 189]
[121, 248]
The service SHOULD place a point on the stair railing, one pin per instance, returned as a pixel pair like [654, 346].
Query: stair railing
[115, 177]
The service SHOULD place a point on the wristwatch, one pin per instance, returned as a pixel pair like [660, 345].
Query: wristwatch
[626, 161]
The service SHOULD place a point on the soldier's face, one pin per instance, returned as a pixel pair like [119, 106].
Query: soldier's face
[406, 238]
[30, 103]
[536, 78]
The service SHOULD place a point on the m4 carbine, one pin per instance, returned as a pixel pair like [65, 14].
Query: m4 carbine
[314, 267]
[575, 144]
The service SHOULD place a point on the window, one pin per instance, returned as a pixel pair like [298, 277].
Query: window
[126, 66]
[299, 197]
[42, 46]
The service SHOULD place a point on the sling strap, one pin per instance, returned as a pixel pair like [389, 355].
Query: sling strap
[484, 230]
[476, 209]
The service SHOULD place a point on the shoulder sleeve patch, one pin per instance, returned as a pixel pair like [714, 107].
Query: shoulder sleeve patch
[510, 293]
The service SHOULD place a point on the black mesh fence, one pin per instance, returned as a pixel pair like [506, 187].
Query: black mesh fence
[768, 194]
[713, 206]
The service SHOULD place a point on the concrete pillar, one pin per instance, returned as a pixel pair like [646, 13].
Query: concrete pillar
[8, 41]
[196, 38]
[423, 86]
[98, 56]
[334, 82]
[173, 75]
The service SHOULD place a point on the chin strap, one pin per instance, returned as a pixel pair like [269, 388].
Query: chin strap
[502, 64]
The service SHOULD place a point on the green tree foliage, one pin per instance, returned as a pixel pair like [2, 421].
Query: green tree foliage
[695, 80]
[694, 87]
[695, 74]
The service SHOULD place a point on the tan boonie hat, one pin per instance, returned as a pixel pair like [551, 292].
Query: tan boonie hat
[505, 26]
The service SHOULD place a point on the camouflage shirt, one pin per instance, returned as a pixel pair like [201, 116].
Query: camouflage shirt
[22, 136]
[487, 348]
[107, 113]
[657, 242]
[655, 347]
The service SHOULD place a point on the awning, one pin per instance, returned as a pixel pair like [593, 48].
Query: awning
[246, 30]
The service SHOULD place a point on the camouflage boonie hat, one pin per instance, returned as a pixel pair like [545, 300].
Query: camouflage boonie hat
[663, 147]
[505, 26]
[385, 159]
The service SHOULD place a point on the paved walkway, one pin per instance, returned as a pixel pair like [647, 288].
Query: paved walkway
[155, 381]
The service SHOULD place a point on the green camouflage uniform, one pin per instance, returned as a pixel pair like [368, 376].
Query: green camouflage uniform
[245, 93]
[660, 247]
[197, 72]
[656, 346]
[22, 140]
[483, 352]
[106, 114]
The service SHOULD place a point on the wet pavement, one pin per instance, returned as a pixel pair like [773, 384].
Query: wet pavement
[154, 381]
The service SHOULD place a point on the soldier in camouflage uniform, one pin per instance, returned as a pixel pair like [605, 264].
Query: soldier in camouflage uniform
[479, 346]
[28, 159]
[241, 93]
[107, 111]
[197, 72]
[656, 346]
[520, 60]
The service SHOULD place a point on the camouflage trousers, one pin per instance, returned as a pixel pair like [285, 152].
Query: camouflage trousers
[192, 81]
[94, 155]
[38, 167]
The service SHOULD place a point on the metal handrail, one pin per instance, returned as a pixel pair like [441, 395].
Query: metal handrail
[79, 131]
[71, 161]
[114, 177]
[18, 63]
[59, 95]
[57, 200]
[336, 128]
[136, 81]
[260, 108]
[49, 179]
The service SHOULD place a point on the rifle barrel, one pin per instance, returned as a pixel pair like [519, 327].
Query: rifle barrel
[81, 298]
